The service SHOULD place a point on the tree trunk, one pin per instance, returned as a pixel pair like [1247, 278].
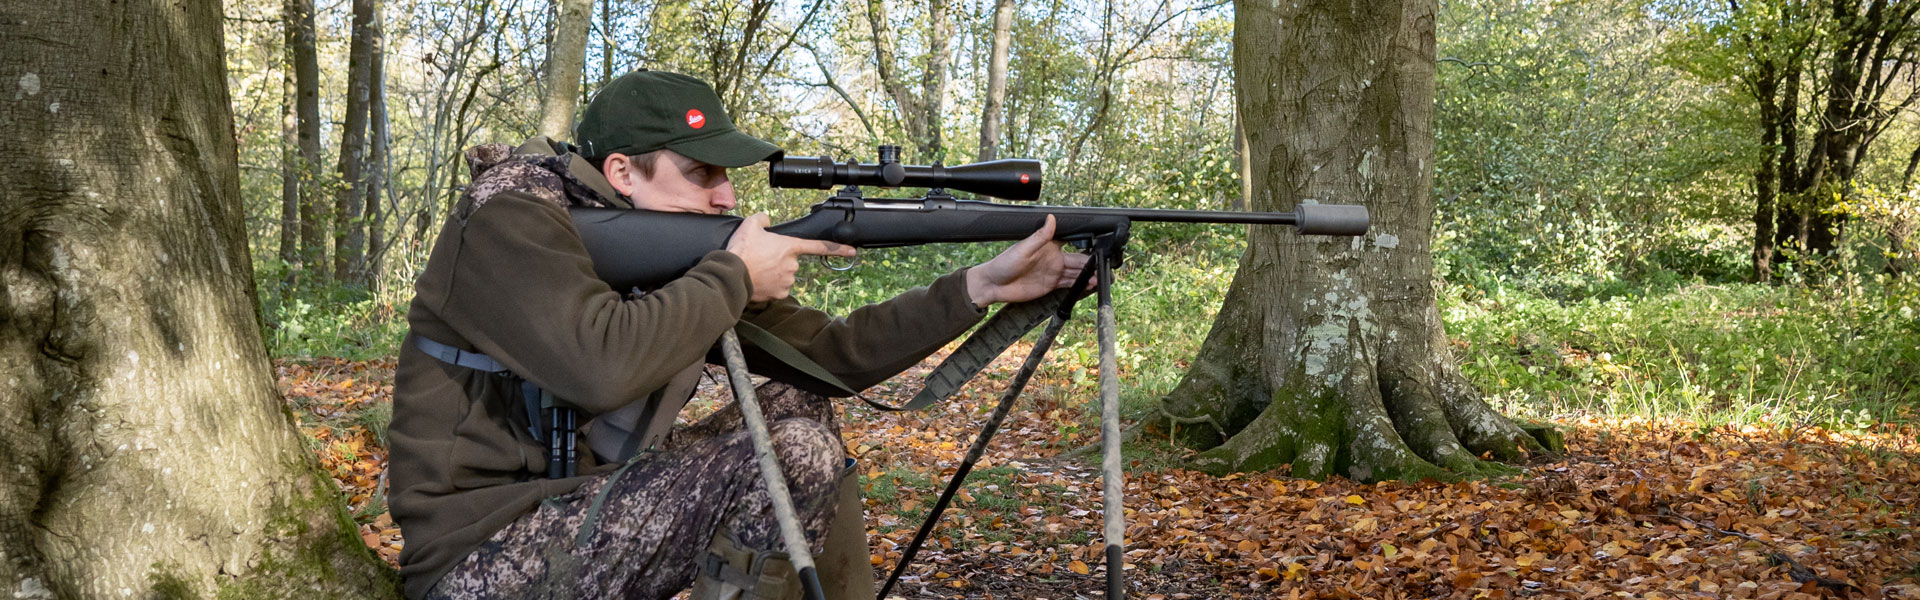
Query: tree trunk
[378, 145]
[349, 242]
[147, 453]
[994, 109]
[606, 42]
[306, 82]
[566, 58]
[289, 147]
[920, 115]
[933, 82]
[1329, 354]
[1765, 178]
[1242, 165]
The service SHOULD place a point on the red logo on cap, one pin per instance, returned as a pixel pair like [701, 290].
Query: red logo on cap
[695, 119]
[1023, 178]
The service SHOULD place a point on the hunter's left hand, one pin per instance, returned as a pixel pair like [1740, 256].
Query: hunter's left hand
[1028, 270]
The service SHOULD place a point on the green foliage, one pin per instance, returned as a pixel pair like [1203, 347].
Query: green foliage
[328, 320]
[1711, 353]
[1566, 150]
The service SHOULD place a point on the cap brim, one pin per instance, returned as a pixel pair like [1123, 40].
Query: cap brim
[728, 149]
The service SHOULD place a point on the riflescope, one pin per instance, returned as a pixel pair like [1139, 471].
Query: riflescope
[1007, 178]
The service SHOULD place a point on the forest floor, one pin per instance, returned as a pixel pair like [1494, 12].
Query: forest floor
[1636, 508]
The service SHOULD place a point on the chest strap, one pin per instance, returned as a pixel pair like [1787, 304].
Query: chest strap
[460, 358]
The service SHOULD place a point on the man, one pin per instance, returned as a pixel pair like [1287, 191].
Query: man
[508, 309]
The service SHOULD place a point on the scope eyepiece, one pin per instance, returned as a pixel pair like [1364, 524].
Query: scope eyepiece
[1007, 178]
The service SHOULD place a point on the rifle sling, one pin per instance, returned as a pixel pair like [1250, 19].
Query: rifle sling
[1005, 327]
[773, 357]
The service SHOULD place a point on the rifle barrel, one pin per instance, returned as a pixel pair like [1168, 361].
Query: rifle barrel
[1308, 219]
[1167, 215]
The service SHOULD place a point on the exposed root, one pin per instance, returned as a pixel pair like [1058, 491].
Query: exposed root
[1174, 421]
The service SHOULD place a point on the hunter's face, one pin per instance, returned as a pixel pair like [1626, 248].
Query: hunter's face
[676, 183]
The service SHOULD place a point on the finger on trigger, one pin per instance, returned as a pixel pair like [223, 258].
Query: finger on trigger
[825, 248]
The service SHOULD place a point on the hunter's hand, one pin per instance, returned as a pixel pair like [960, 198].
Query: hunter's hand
[1028, 270]
[772, 259]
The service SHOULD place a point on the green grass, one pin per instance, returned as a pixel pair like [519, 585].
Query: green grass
[1843, 355]
[886, 489]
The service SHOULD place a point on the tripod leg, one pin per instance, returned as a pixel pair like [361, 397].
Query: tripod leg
[979, 447]
[798, 552]
[1113, 478]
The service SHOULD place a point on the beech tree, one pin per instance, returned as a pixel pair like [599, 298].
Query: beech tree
[349, 240]
[147, 452]
[993, 110]
[566, 56]
[1329, 354]
[306, 85]
[379, 148]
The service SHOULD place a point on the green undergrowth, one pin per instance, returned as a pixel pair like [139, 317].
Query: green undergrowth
[311, 320]
[1844, 355]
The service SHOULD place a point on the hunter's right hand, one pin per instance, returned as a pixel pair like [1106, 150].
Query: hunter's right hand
[772, 259]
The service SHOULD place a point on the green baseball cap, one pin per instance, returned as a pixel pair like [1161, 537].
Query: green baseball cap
[644, 111]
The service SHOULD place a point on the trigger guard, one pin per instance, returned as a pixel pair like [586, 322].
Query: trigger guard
[850, 263]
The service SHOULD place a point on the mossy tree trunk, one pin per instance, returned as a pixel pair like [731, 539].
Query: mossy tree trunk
[146, 451]
[1329, 354]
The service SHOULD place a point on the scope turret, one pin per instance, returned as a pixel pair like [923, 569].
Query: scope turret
[1007, 178]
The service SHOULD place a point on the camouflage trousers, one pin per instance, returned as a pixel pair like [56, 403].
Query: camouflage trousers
[642, 531]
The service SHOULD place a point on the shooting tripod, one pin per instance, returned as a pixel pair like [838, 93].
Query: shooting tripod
[1105, 255]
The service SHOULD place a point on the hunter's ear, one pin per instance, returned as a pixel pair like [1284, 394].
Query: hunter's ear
[620, 173]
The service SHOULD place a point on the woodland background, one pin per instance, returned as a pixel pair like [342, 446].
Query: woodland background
[1619, 192]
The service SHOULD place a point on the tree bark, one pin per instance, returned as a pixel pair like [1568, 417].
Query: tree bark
[290, 169]
[921, 115]
[379, 147]
[1242, 165]
[306, 82]
[147, 452]
[566, 59]
[349, 241]
[1786, 222]
[1765, 178]
[1329, 355]
[933, 81]
[606, 42]
[993, 110]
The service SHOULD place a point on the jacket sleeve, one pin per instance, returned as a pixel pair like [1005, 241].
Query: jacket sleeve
[876, 341]
[523, 291]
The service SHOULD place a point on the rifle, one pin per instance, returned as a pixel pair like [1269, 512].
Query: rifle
[676, 242]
